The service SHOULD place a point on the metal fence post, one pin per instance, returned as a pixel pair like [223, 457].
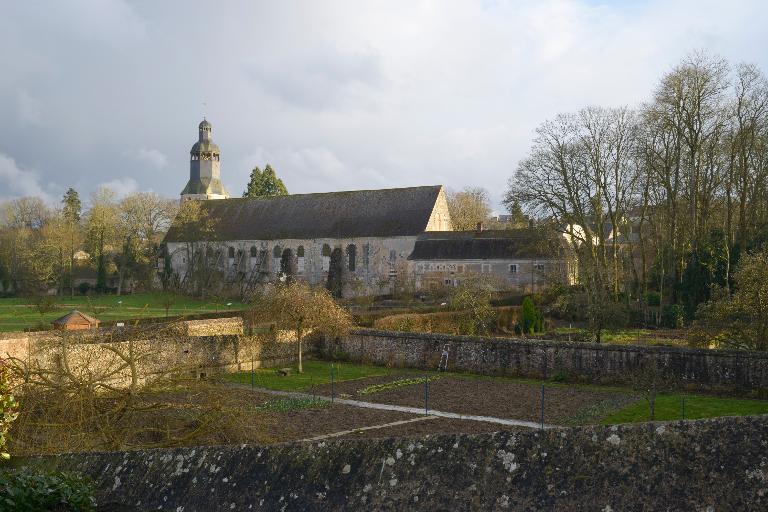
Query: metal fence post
[332, 387]
[426, 395]
[253, 374]
[542, 406]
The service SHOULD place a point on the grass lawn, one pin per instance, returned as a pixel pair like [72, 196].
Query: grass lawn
[16, 314]
[669, 408]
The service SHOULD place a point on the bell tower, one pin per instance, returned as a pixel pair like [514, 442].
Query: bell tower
[204, 168]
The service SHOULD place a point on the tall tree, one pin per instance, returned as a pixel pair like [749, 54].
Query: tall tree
[265, 184]
[72, 206]
[71, 234]
[468, 208]
[101, 229]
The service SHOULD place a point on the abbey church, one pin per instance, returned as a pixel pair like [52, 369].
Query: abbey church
[371, 235]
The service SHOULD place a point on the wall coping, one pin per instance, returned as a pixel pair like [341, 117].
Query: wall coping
[452, 338]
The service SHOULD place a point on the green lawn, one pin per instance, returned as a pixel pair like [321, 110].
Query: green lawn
[16, 314]
[669, 408]
[315, 373]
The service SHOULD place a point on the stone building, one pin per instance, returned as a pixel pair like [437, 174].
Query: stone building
[525, 260]
[255, 240]
[380, 241]
[204, 168]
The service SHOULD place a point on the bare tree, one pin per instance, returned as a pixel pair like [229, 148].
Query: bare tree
[302, 309]
[468, 208]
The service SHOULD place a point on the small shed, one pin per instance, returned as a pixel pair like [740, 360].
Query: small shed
[75, 321]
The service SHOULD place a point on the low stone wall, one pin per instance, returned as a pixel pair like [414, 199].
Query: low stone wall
[705, 465]
[199, 347]
[700, 368]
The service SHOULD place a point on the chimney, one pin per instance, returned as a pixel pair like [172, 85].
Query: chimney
[479, 227]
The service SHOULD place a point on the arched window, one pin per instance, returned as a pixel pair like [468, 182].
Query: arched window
[277, 253]
[287, 268]
[326, 257]
[352, 257]
[231, 252]
[300, 260]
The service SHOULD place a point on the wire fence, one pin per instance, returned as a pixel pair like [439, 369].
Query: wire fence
[408, 388]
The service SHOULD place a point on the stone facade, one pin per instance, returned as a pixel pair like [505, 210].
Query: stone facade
[369, 265]
[517, 274]
[705, 465]
[523, 260]
[734, 370]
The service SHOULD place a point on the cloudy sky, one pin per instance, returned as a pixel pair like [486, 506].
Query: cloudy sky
[336, 95]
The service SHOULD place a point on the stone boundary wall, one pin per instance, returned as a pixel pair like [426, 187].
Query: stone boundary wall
[197, 347]
[697, 368]
[706, 465]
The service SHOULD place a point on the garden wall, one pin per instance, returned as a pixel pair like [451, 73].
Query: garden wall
[717, 369]
[202, 347]
[706, 465]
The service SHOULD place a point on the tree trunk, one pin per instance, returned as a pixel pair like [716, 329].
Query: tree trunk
[298, 340]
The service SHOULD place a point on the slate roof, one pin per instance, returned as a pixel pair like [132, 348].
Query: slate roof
[501, 244]
[76, 317]
[358, 213]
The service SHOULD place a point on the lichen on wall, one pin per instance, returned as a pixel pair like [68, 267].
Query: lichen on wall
[700, 465]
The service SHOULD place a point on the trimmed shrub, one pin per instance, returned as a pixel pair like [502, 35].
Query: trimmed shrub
[531, 319]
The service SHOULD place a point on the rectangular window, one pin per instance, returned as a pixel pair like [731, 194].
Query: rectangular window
[486, 268]
[539, 266]
[461, 269]
[513, 268]
[366, 255]
[448, 282]
[392, 255]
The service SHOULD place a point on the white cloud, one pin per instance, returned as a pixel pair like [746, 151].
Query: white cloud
[18, 182]
[122, 187]
[153, 157]
[336, 95]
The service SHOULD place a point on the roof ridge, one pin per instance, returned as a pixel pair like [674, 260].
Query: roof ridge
[329, 193]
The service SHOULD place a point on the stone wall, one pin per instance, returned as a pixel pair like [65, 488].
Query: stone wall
[707, 465]
[200, 347]
[696, 368]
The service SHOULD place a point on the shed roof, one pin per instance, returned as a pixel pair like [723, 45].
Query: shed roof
[486, 245]
[76, 317]
[357, 213]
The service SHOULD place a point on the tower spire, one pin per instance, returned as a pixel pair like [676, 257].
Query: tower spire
[204, 167]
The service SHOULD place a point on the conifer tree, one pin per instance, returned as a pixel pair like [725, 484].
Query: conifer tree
[265, 183]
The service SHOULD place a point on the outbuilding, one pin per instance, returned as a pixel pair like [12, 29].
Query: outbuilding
[76, 321]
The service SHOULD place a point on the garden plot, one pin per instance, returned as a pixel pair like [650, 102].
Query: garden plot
[487, 397]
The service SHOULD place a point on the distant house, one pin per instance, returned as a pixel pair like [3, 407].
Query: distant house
[511, 259]
[75, 321]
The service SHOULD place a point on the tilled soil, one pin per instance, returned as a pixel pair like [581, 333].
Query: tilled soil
[486, 397]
